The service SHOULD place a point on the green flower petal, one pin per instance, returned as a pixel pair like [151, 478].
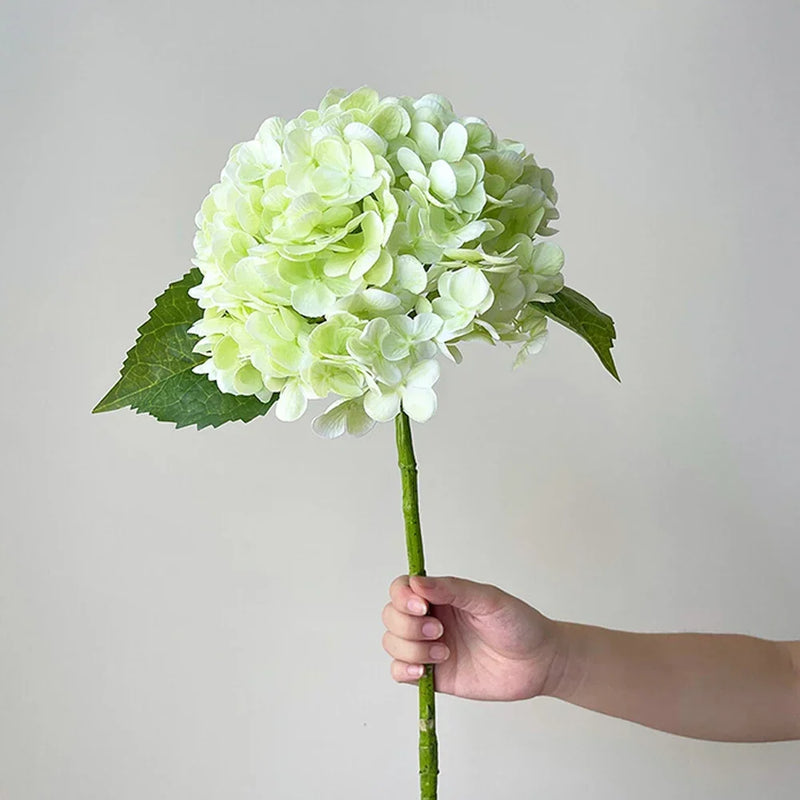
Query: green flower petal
[381, 271]
[466, 177]
[313, 299]
[247, 380]
[388, 122]
[225, 354]
[363, 99]
[330, 181]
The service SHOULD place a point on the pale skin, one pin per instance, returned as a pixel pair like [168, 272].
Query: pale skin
[489, 645]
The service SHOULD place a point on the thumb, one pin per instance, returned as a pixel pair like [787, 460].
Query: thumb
[479, 599]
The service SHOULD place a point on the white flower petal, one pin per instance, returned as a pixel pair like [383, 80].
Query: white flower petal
[455, 353]
[271, 130]
[358, 421]
[443, 179]
[364, 261]
[363, 162]
[382, 406]
[402, 325]
[423, 306]
[419, 404]
[333, 422]
[530, 348]
[548, 258]
[423, 375]
[410, 161]
[330, 181]
[292, 402]
[379, 300]
[454, 142]
[474, 229]
[387, 372]
[427, 139]
[469, 287]
[490, 329]
[358, 131]
[395, 347]
[426, 350]
[426, 326]
[410, 274]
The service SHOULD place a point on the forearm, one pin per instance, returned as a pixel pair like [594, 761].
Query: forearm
[707, 686]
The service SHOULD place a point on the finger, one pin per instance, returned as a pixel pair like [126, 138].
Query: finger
[414, 652]
[404, 599]
[406, 673]
[475, 598]
[407, 627]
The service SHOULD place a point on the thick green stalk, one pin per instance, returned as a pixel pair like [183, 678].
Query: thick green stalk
[428, 745]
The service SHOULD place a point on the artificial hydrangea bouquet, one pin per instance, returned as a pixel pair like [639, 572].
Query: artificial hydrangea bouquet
[344, 253]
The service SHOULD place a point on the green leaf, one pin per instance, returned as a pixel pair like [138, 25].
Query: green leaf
[578, 313]
[157, 376]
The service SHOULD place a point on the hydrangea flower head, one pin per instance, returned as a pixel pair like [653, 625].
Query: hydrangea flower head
[346, 251]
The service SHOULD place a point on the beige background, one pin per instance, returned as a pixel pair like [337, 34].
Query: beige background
[197, 615]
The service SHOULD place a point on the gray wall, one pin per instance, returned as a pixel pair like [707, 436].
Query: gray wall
[197, 615]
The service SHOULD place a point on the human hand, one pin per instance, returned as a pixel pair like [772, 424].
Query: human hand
[486, 644]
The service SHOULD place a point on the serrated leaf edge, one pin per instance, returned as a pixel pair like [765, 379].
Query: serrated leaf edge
[129, 399]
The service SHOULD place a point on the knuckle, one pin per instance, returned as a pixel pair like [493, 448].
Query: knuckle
[494, 596]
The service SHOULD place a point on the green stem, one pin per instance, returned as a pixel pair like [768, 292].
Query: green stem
[428, 745]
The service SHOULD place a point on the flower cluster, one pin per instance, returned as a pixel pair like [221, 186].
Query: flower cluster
[344, 251]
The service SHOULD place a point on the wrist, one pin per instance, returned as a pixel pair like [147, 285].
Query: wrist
[568, 664]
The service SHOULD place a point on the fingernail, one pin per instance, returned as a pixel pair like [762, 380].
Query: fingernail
[415, 670]
[416, 605]
[431, 629]
[439, 652]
